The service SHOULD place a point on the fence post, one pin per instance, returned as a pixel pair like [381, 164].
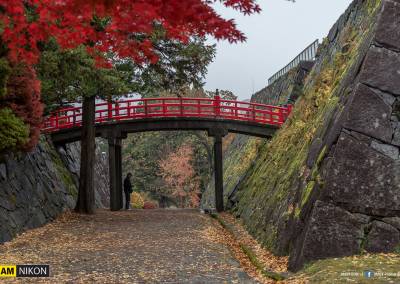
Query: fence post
[57, 120]
[52, 124]
[281, 118]
[289, 109]
[217, 104]
[181, 105]
[236, 110]
[73, 118]
[117, 110]
[109, 107]
[164, 107]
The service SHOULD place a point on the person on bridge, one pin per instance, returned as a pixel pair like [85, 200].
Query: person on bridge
[128, 190]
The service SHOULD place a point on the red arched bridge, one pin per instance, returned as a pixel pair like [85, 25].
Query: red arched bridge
[217, 116]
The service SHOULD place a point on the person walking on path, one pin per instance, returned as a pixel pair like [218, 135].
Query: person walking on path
[128, 190]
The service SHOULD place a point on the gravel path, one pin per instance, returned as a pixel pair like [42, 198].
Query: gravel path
[138, 246]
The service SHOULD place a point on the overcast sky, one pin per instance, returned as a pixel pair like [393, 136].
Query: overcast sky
[274, 38]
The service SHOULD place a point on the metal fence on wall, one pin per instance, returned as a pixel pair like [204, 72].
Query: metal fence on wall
[307, 54]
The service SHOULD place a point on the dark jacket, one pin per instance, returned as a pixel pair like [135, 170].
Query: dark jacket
[127, 185]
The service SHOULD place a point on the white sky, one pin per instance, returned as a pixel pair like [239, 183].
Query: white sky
[274, 38]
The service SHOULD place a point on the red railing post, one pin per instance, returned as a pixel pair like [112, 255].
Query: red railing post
[52, 124]
[117, 110]
[73, 118]
[164, 107]
[236, 110]
[57, 120]
[145, 108]
[281, 117]
[109, 107]
[254, 113]
[289, 109]
[181, 105]
[217, 104]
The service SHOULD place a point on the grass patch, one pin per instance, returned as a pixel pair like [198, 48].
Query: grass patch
[221, 222]
[253, 258]
[384, 267]
[249, 253]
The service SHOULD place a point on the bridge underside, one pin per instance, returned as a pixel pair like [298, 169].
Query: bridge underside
[115, 131]
[122, 128]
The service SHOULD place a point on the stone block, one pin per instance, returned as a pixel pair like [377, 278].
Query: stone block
[381, 70]
[382, 238]
[388, 32]
[362, 180]
[369, 114]
[386, 149]
[330, 232]
[394, 221]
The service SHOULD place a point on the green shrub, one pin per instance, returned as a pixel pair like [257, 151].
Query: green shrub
[13, 132]
[137, 201]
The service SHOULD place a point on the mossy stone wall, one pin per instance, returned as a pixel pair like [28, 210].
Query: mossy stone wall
[330, 176]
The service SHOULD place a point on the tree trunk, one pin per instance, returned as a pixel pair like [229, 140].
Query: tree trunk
[86, 196]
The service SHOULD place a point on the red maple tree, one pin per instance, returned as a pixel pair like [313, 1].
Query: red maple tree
[178, 173]
[70, 22]
[23, 97]
[124, 30]
[128, 23]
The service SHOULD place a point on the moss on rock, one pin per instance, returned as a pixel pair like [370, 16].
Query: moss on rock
[280, 172]
[62, 171]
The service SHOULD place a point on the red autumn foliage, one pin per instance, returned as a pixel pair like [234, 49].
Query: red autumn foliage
[150, 205]
[26, 23]
[178, 174]
[70, 23]
[23, 97]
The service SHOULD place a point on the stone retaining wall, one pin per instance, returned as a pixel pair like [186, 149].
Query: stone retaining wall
[36, 187]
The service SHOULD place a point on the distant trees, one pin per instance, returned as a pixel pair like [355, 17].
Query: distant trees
[143, 151]
[178, 173]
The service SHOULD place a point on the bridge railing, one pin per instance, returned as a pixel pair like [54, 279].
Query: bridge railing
[307, 54]
[170, 107]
